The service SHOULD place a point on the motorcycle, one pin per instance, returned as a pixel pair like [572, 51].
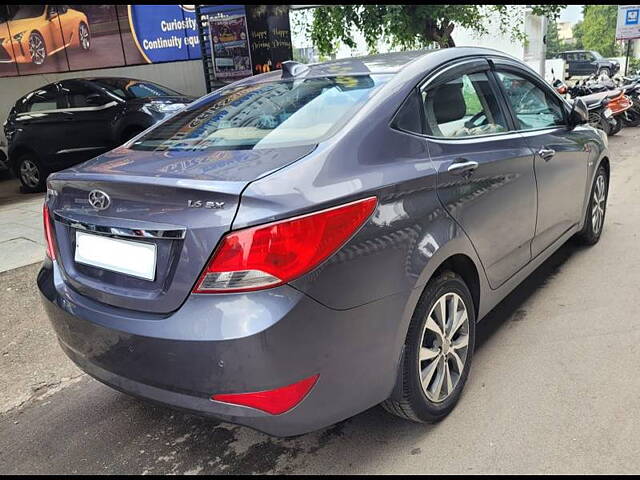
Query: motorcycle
[600, 115]
[623, 97]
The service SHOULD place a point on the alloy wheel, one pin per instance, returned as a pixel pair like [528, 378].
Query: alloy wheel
[443, 347]
[85, 42]
[37, 49]
[598, 204]
[29, 173]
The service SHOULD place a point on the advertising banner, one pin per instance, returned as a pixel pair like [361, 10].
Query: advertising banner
[628, 25]
[37, 39]
[164, 33]
[100, 45]
[270, 36]
[33, 37]
[59, 38]
[230, 46]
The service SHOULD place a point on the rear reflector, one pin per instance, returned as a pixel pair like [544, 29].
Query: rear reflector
[275, 401]
[48, 233]
[268, 255]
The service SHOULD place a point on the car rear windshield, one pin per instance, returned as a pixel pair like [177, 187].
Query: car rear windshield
[264, 115]
[127, 89]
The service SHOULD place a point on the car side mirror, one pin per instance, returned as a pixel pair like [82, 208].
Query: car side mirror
[579, 114]
[52, 14]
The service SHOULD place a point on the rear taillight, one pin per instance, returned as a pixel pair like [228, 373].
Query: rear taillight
[48, 233]
[275, 401]
[275, 253]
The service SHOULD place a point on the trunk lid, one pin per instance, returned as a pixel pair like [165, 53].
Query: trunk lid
[150, 194]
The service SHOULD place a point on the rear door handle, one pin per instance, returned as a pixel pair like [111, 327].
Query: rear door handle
[462, 167]
[546, 153]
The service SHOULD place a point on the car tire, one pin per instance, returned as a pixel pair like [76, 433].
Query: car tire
[428, 364]
[37, 48]
[596, 210]
[31, 174]
[84, 36]
[618, 126]
[605, 70]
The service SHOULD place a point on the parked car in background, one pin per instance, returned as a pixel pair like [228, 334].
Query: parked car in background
[73, 120]
[39, 31]
[588, 62]
[301, 245]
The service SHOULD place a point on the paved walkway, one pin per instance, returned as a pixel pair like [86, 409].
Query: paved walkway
[21, 236]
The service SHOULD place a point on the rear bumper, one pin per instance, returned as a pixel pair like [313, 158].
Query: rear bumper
[232, 344]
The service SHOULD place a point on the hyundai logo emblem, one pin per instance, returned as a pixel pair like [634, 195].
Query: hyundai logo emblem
[99, 200]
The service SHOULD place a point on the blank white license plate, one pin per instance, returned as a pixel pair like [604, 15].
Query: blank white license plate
[137, 259]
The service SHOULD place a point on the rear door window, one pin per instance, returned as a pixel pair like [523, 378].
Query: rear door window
[409, 117]
[466, 106]
[79, 95]
[43, 99]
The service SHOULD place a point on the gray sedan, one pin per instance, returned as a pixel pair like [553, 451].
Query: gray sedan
[302, 245]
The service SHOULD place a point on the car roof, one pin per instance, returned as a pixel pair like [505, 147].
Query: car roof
[393, 62]
[380, 63]
[384, 63]
[91, 79]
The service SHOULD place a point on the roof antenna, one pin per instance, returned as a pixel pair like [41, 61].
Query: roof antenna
[291, 69]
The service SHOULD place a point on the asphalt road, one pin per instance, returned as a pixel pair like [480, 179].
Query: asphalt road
[554, 386]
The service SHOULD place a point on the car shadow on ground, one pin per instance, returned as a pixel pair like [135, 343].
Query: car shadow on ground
[128, 435]
[378, 429]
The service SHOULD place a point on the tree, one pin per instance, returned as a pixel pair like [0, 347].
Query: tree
[599, 29]
[578, 33]
[554, 44]
[413, 26]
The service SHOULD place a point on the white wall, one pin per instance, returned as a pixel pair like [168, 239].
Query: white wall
[557, 65]
[464, 37]
[534, 27]
[184, 77]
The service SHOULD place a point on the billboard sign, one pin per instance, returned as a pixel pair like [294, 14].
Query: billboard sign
[36, 39]
[628, 25]
[230, 46]
[270, 36]
[165, 33]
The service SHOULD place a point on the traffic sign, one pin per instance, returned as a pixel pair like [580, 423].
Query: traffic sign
[628, 25]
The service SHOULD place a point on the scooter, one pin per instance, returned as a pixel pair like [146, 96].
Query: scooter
[600, 116]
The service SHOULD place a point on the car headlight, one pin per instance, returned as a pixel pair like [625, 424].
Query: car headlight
[166, 107]
[18, 36]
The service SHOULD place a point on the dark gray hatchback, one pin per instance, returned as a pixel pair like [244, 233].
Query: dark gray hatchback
[301, 245]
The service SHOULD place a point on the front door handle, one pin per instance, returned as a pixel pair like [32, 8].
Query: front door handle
[546, 153]
[462, 167]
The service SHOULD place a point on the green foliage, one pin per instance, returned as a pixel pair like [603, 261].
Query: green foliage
[578, 34]
[599, 29]
[555, 45]
[413, 26]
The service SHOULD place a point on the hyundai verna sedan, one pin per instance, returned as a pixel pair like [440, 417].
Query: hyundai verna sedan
[71, 121]
[304, 244]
